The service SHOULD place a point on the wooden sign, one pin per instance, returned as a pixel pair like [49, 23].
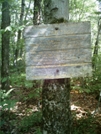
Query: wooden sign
[58, 50]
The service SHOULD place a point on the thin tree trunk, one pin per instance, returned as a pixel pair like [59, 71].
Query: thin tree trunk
[96, 47]
[27, 10]
[97, 39]
[37, 10]
[18, 49]
[5, 46]
[56, 93]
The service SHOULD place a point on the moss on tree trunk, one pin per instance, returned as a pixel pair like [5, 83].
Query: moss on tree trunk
[56, 92]
[56, 106]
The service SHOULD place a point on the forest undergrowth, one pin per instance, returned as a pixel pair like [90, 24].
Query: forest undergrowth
[20, 111]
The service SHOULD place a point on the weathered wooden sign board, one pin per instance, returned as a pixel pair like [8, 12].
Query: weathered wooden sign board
[58, 50]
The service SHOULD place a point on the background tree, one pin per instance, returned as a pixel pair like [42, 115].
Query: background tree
[30, 121]
[37, 12]
[18, 51]
[5, 44]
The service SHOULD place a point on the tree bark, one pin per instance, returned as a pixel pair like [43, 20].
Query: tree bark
[5, 46]
[97, 40]
[37, 10]
[18, 50]
[56, 92]
[28, 8]
[56, 11]
[56, 107]
[96, 47]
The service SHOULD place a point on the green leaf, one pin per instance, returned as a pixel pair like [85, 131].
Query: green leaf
[28, 84]
[4, 79]
[21, 27]
[9, 28]
[6, 94]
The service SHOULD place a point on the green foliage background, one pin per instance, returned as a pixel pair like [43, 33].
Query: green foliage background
[85, 10]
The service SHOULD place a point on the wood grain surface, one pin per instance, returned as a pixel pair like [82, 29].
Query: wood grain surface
[58, 50]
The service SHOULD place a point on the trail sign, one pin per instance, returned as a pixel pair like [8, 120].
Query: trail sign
[58, 50]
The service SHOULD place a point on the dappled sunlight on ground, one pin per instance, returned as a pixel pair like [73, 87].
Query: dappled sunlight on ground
[83, 102]
[83, 105]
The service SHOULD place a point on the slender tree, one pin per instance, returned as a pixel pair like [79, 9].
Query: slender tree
[28, 8]
[5, 45]
[37, 12]
[56, 92]
[97, 39]
[96, 47]
[18, 49]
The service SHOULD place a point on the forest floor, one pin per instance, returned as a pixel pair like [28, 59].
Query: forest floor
[87, 113]
[21, 116]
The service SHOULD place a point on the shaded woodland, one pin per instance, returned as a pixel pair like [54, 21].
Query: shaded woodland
[21, 99]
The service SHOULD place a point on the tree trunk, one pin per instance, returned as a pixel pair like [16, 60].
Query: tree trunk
[97, 40]
[28, 8]
[56, 107]
[56, 92]
[56, 11]
[96, 47]
[37, 8]
[5, 46]
[18, 50]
